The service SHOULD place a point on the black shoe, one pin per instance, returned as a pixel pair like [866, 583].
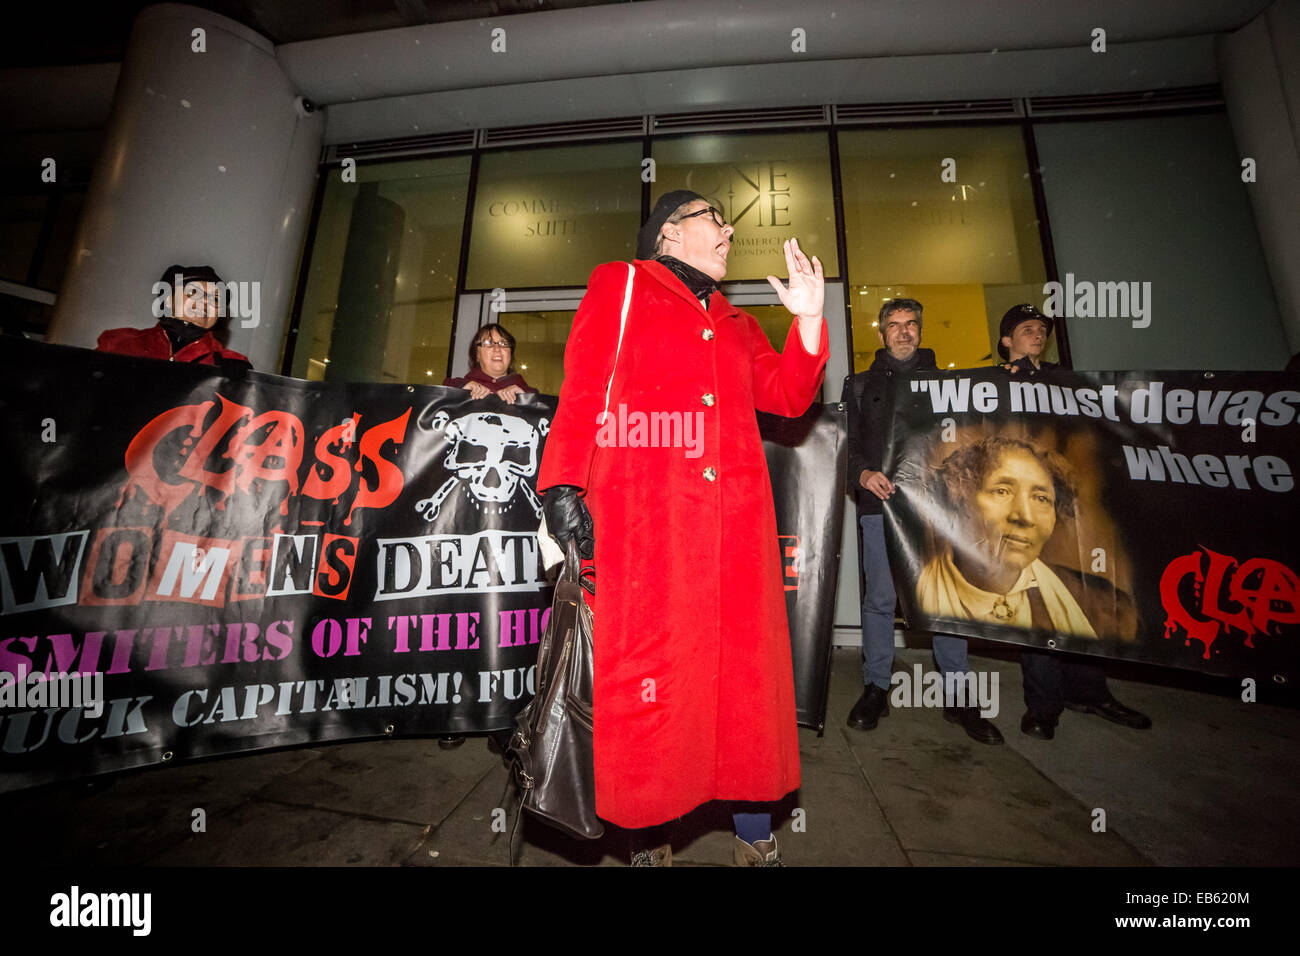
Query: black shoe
[976, 727]
[871, 706]
[1115, 712]
[1036, 725]
[450, 743]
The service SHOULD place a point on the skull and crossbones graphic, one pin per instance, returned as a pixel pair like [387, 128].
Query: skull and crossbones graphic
[491, 454]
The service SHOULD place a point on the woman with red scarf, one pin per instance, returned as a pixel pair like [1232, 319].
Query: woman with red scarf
[490, 371]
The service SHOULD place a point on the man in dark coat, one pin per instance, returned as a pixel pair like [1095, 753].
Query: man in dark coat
[868, 396]
[187, 313]
[1053, 682]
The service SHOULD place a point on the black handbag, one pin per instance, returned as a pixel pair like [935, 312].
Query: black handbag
[551, 749]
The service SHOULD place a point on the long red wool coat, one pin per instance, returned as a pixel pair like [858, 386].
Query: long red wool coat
[694, 691]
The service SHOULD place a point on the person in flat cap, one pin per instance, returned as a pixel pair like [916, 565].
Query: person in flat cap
[1023, 335]
[189, 305]
[1054, 682]
[694, 689]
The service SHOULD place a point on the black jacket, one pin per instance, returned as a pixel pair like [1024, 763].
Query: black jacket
[868, 397]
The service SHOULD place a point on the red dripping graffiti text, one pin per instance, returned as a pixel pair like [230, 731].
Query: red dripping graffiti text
[1206, 595]
[239, 451]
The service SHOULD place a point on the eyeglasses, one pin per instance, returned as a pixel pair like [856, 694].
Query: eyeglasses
[710, 211]
[494, 345]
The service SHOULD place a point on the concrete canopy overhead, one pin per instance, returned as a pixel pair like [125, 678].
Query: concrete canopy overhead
[1155, 64]
[686, 34]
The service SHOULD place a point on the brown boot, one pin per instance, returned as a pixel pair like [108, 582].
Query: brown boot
[659, 856]
[762, 853]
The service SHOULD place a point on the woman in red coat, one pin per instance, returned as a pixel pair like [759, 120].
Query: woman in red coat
[490, 371]
[188, 311]
[694, 690]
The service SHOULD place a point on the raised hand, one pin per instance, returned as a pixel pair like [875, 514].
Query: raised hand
[807, 292]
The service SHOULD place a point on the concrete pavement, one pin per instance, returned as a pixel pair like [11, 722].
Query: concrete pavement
[1212, 783]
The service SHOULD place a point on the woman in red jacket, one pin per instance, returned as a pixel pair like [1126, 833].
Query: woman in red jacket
[187, 312]
[490, 371]
[693, 694]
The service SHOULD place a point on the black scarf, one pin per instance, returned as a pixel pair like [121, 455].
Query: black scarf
[887, 357]
[181, 333]
[702, 286]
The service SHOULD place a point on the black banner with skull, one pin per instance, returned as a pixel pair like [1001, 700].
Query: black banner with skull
[193, 564]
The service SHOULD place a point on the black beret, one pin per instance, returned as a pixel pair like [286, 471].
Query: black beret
[190, 274]
[649, 234]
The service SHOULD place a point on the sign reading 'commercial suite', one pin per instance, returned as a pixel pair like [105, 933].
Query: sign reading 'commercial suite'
[1142, 515]
[240, 563]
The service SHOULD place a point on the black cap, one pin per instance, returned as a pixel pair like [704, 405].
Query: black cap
[649, 234]
[190, 274]
[1013, 317]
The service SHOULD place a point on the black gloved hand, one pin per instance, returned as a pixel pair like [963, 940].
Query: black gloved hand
[568, 519]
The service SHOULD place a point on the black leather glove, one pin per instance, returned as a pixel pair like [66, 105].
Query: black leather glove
[568, 519]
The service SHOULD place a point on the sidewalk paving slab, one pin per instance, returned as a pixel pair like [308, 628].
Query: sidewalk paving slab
[1212, 783]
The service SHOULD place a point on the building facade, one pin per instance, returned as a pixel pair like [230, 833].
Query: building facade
[387, 192]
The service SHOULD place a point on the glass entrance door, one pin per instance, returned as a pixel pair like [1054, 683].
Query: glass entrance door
[539, 320]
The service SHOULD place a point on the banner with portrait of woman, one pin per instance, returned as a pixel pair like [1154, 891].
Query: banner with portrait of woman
[1148, 516]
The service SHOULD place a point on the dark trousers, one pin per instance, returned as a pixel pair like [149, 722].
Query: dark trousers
[1051, 681]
